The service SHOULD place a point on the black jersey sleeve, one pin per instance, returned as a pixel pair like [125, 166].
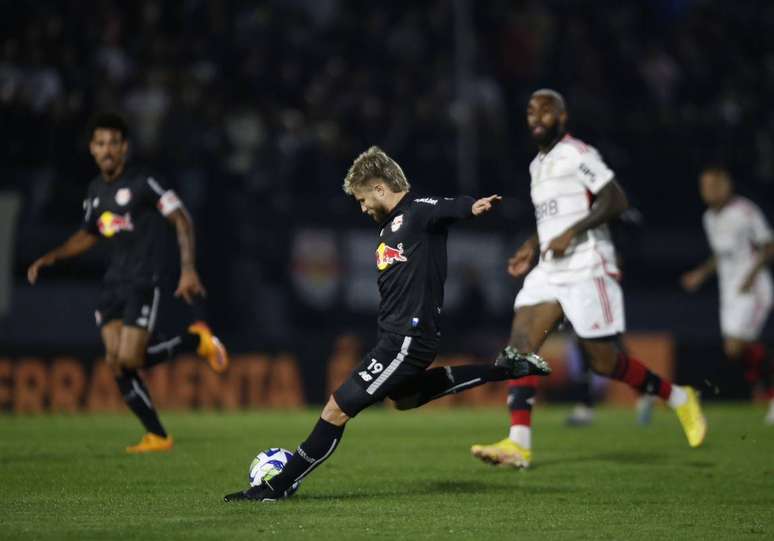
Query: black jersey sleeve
[443, 211]
[156, 193]
[89, 223]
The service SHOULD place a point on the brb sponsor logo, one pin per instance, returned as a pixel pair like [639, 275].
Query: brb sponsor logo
[386, 256]
[109, 224]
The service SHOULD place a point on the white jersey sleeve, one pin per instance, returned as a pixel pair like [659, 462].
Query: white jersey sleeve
[761, 231]
[592, 170]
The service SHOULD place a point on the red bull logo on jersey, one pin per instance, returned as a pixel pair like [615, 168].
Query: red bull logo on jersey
[109, 224]
[386, 256]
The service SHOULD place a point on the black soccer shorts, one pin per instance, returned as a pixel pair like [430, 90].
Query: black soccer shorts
[394, 361]
[135, 304]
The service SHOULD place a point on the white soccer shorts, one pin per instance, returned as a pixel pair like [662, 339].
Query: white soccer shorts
[594, 306]
[743, 316]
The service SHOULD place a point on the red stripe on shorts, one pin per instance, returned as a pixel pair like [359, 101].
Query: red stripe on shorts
[602, 291]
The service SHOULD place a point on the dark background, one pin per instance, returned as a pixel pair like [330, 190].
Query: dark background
[253, 111]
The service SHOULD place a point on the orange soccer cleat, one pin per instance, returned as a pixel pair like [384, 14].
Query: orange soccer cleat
[151, 443]
[210, 347]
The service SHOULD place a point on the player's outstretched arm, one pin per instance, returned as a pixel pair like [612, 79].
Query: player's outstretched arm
[485, 204]
[765, 257]
[78, 243]
[692, 280]
[189, 285]
[610, 202]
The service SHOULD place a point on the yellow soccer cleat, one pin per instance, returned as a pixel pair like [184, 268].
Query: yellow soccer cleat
[503, 453]
[210, 347]
[151, 443]
[692, 418]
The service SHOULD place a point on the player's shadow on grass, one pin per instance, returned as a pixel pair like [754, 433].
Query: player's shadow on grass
[617, 457]
[430, 488]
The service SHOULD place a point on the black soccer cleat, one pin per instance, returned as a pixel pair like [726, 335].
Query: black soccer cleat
[520, 365]
[260, 493]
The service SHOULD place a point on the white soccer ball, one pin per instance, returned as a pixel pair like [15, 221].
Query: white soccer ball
[267, 464]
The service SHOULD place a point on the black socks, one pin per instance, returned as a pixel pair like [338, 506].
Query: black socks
[138, 399]
[166, 350]
[319, 445]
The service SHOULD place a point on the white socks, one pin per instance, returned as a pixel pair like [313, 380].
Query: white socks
[677, 397]
[521, 435]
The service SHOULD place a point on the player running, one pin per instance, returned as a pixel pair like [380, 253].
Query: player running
[127, 208]
[742, 246]
[575, 196]
[411, 260]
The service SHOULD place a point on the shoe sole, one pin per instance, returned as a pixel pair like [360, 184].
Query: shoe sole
[505, 461]
[536, 365]
[220, 353]
[143, 451]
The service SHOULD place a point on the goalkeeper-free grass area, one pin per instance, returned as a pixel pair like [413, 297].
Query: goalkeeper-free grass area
[396, 475]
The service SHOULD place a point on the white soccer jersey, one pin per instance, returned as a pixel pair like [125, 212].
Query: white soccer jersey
[735, 232]
[564, 182]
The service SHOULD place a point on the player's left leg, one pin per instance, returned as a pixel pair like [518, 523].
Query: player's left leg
[595, 308]
[195, 336]
[131, 357]
[443, 381]
[609, 360]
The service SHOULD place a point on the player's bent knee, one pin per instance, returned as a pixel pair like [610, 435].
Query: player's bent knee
[408, 402]
[603, 356]
[333, 414]
[604, 366]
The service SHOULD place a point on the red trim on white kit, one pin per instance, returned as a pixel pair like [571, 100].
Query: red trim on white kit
[603, 298]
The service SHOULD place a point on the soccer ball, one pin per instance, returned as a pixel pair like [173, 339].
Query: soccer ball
[267, 464]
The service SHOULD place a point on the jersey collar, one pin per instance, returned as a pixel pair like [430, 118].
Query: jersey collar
[542, 155]
[402, 204]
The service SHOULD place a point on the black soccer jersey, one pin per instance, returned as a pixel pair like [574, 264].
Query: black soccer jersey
[129, 213]
[411, 259]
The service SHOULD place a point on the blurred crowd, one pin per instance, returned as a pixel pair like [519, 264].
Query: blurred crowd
[254, 110]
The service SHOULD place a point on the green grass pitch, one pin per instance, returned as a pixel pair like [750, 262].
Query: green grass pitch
[397, 475]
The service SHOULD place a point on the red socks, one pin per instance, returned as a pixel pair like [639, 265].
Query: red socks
[636, 375]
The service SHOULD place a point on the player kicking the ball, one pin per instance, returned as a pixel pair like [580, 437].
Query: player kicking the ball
[575, 196]
[742, 246]
[127, 209]
[411, 260]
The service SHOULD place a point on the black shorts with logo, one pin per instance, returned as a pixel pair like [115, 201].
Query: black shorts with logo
[394, 361]
[135, 304]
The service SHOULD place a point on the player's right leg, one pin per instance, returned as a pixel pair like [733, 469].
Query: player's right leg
[110, 331]
[313, 451]
[531, 325]
[131, 357]
[136, 304]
